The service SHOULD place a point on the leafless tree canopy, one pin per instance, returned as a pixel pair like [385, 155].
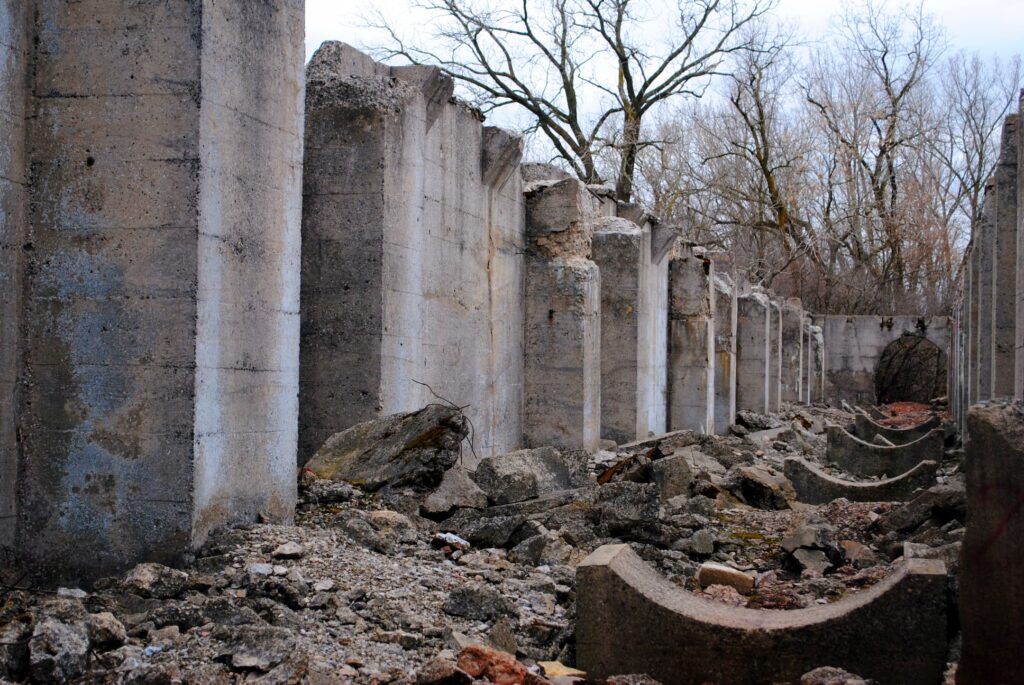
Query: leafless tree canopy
[848, 174]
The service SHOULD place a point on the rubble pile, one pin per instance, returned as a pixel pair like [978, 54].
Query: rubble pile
[418, 570]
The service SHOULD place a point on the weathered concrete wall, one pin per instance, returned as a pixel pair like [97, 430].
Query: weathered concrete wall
[160, 296]
[633, 305]
[1004, 316]
[562, 370]
[724, 308]
[992, 560]
[775, 349]
[412, 258]
[854, 344]
[691, 377]
[792, 350]
[986, 291]
[753, 352]
[14, 44]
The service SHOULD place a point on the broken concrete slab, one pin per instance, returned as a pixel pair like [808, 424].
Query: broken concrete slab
[631, 619]
[867, 429]
[866, 460]
[402, 449]
[815, 486]
[457, 490]
[761, 487]
[526, 474]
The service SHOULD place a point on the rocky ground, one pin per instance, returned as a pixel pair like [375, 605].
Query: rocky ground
[424, 573]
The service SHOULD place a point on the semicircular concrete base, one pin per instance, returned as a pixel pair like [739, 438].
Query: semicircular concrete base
[866, 460]
[630, 619]
[814, 486]
[868, 429]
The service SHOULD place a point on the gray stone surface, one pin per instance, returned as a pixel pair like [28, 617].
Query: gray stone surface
[634, 290]
[630, 619]
[866, 460]
[691, 377]
[815, 486]
[792, 350]
[412, 261]
[1004, 303]
[854, 344]
[724, 314]
[529, 473]
[992, 563]
[753, 337]
[159, 310]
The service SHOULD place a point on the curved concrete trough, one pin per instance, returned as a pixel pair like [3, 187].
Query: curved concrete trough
[814, 486]
[630, 619]
[866, 460]
[868, 429]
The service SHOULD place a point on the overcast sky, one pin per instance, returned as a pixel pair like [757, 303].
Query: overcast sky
[986, 26]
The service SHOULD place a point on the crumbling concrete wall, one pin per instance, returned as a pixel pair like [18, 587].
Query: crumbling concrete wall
[792, 317]
[724, 312]
[160, 295]
[562, 370]
[691, 376]
[753, 352]
[854, 345]
[14, 44]
[634, 287]
[1004, 262]
[413, 235]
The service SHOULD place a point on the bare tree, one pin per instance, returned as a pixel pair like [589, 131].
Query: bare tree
[581, 68]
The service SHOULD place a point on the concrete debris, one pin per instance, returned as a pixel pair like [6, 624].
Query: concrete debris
[760, 486]
[155, 580]
[527, 474]
[719, 574]
[826, 675]
[398, 450]
[457, 491]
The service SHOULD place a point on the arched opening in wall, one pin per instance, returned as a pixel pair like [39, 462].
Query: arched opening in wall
[911, 369]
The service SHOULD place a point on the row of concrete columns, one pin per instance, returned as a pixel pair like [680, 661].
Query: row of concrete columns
[987, 359]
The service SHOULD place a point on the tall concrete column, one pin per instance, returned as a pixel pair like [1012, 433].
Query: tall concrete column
[691, 371]
[986, 288]
[753, 352]
[775, 358]
[1004, 318]
[725, 352]
[817, 361]
[1019, 288]
[160, 295]
[972, 302]
[413, 242]
[14, 45]
[792, 349]
[632, 309]
[562, 372]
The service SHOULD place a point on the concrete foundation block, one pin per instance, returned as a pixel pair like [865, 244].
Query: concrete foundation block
[630, 619]
[992, 561]
[866, 460]
[562, 382]
[814, 486]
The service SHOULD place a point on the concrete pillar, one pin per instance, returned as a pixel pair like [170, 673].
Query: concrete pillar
[792, 349]
[1004, 335]
[1019, 289]
[815, 364]
[972, 301]
[724, 308]
[14, 45]
[413, 242]
[753, 352]
[986, 286]
[775, 351]
[992, 559]
[562, 372]
[160, 302]
[633, 308]
[691, 375]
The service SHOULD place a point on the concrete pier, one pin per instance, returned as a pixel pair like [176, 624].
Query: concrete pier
[725, 303]
[792, 350]
[159, 304]
[753, 352]
[1004, 303]
[691, 369]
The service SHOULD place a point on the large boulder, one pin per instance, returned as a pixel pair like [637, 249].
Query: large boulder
[457, 491]
[402, 449]
[525, 474]
[761, 487]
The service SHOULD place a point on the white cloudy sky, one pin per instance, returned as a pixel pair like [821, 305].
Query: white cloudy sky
[986, 26]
